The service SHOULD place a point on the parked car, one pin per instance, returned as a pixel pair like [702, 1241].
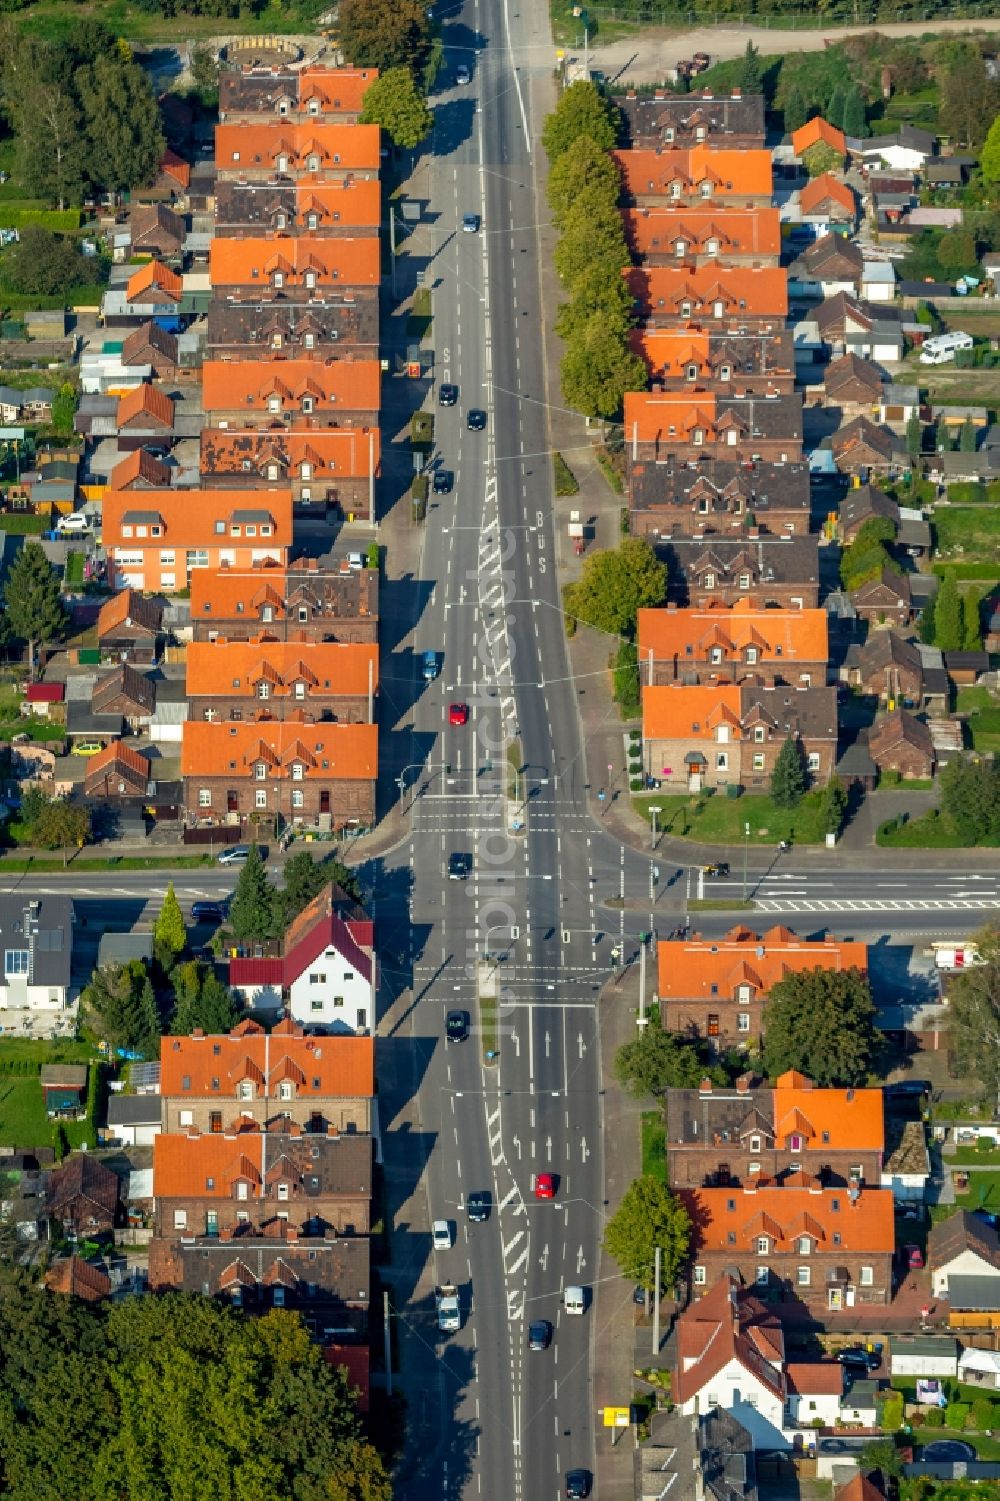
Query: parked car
[914, 1257]
[87, 748]
[859, 1357]
[206, 912]
[441, 1235]
[76, 521]
[235, 854]
[905, 1089]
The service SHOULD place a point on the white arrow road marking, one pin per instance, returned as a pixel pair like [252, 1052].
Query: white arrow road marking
[581, 1260]
[584, 1154]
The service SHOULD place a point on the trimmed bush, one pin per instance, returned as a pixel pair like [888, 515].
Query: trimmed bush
[636, 784]
[935, 1417]
[956, 1415]
[565, 479]
[983, 1415]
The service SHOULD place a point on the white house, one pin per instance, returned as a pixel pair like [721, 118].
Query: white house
[906, 151]
[923, 1355]
[813, 1394]
[859, 1406]
[960, 1248]
[980, 1368]
[878, 281]
[730, 1354]
[326, 977]
[36, 936]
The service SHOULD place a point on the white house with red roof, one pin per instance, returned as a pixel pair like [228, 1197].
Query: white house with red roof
[327, 974]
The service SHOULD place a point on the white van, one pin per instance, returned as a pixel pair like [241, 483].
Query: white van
[574, 1299]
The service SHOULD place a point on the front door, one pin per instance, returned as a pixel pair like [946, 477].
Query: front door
[324, 801]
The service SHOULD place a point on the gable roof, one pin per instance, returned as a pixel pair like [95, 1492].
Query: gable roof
[76, 1278]
[726, 1324]
[343, 260]
[154, 274]
[129, 607]
[172, 165]
[225, 594]
[349, 384]
[140, 464]
[350, 203]
[340, 147]
[682, 711]
[327, 752]
[826, 189]
[753, 291]
[818, 130]
[123, 682]
[691, 635]
[82, 1176]
[189, 517]
[669, 351]
[333, 454]
[338, 1067]
[148, 336]
[735, 174]
[689, 968]
[221, 669]
[320, 926]
[192, 1166]
[828, 1119]
[146, 402]
[962, 1231]
[738, 231]
[147, 216]
[850, 370]
[118, 759]
[899, 727]
[864, 1223]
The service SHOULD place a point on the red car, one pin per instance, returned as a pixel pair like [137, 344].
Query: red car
[458, 714]
[545, 1186]
[914, 1257]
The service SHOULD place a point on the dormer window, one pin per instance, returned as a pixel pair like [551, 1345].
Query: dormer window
[692, 372]
[267, 614]
[278, 279]
[805, 1245]
[308, 404]
[680, 246]
[305, 470]
[706, 189]
[711, 247]
[283, 1192]
[715, 656]
[272, 471]
[675, 189]
[795, 1142]
[314, 106]
[281, 221]
[282, 163]
[763, 1245]
[263, 689]
[698, 437]
[744, 580]
[312, 163]
[312, 221]
[298, 770]
[759, 733]
[725, 372]
[308, 341]
[310, 279]
[276, 341]
[274, 403]
[685, 309]
[709, 581]
[718, 308]
[751, 655]
[285, 1090]
[300, 692]
[245, 1090]
[755, 1143]
[668, 134]
[732, 437]
[260, 771]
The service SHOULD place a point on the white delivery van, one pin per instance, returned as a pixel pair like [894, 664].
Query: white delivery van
[574, 1299]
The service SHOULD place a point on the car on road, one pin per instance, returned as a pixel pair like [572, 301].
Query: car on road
[577, 1485]
[443, 481]
[462, 74]
[459, 866]
[429, 666]
[545, 1186]
[76, 521]
[235, 854]
[87, 748]
[539, 1334]
[477, 1206]
[206, 912]
[470, 224]
[856, 1355]
[914, 1257]
[458, 714]
[441, 1235]
[475, 419]
[639, 1297]
[721, 870]
[456, 1027]
[447, 394]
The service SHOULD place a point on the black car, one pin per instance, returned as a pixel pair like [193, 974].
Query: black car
[475, 419]
[908, 1089]
[456, 1027]
[856, 1355]
[577, 1485]
[539, 1334]
[477, 1206]
[206, 912]
[447, 394]
[459, 866]
[443, 481]
[639, 1297]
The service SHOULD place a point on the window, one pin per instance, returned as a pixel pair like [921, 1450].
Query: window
[283, 1191]
[245, 1090]
[297, 768]
[763, 1244]
[758, 763]
[713, 1024]
[813, 760]
[709, 581]
[298, 798]
[795, 1142]
[715, 657]
[312, 221]
[260, 797]
[317, 979]
[215, 1122]
[167, 558]
[751, 655]
[699, 1276]
[744, 580]
[285, 1090]
[242, 1189]
[300, 692]
[263, 689]
[679, 247]
[835, 1205]
[803, 1276]
[762, 1275]
[260, 771]
[698, 437]
[743, 1021]
[743, 993]
[755, 1143]
[857, 1168]
[722, 761]
[317, 1004]
[309, 341]
[867, 1276]
[185, 1117]
[805, 1246]
[754, 1169]
[281, 221]
[180, 1219]
[362, 1017]
[204, 797]
[692, 372]
[712, 248]
[685, 309]
[15, 962]
[279, 279]
[338, 1000]
[279, 1297]
[836, 1237]
[730, 1237]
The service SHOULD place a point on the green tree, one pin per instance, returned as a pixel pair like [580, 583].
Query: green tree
[821, 1022]
[124, 132]
[967, 438]
[649, 1216]
[834, 112]
[974, 1015]
[393, 102]
[989, 157]
[252, 912]
[615, 585]
[969, 100]
[867, 555]
[972, 638]
[119, 1008]
[201, 1000]
[914, 438]
[789, 777]
[592, 235]
[970, 798]
[51, 151]
[627, 694]
[205, 77]
[305, 878]
[853, 124]
[595, 295]
[584, 166]
[957, 254]
[796, 110]
[64, 410]
[834, 806]
[821, 158]
[598, 368]
[751, 72]
[170, 934]
[881, 1454]
[927, 627]
[656, 1061]
[385, 34]
[582, 111]
[948, 615]
[42, 264]
[61, 825]
[31, 596]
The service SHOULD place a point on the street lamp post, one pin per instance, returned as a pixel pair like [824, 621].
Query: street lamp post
[495, 927]
[746, 852]
[654, 813]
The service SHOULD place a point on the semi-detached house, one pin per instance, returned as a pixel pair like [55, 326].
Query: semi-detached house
[326, 468]
[339, 325]
[667, 426]
[260, 680]
[696, 176]
[288, 149]
[156, 539]
[309, 394]
[694, 495]
[664, 235]
[294, 269]
[664, 119]
[258, 95]
[732, 297]
[735, 644]
[700, 356]
[297, 208]
[300, 603]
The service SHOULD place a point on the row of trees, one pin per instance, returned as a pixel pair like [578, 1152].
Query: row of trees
[259, 910]
[598, 366]
[172, 1397]
[82, 111]
[950, 620]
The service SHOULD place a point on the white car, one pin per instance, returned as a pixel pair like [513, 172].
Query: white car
[76, 521]
[355, 562]
[441, 1235]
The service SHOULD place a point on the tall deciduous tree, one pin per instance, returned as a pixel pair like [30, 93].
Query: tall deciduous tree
[657, 1061]
[394, 102]
[595, 294]
[385, 34]
[43, 264]
[252, 910]
[598, 368]
[61, 825]
[615, 585]
[31, 597]
[51, 150]
[125, 138]
[582, 111]
[970, 797]
[789, 777]
[989, 157]
[583, 165]
[592, 235]
[821, 1023]
[948, 615]
[648, 1217]
[974, 1016]
[969, 98]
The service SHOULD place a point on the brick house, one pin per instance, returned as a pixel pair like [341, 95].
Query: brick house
[861, 446]
[127, 693]
[83, 1196]
[660, 425]
[145, 413]
[129, 627]
[720, 1136]
[258, 208]
[829, 265]
[141, 470]
[692, 358]
[294, 270]
[318, 775]
[309, 394]
[300, 603]
[256, 96]
[732, 733]
[815, 132]
[768, 571]
[151, 345]
[697, 177]
[852, 384]
[326, 1278]
[260, 680]
[213, 1084]
[115, 773]
[665, 235]
[733, 121]
[326, 468]
[863, 503]
[831, 1248]
[731, 644]
[679, 497]
[207, 1184]
[155, 541]
[902, 743]
[731, 297]
[718, 989]
[156, 288]
[339, 326]
[885, 599]
[889, 667]
[826, 198]
[156, 230]
[316, 149]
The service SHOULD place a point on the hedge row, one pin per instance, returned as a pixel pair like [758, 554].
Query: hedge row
[60, 221]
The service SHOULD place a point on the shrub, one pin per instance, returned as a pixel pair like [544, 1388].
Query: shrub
[564, 477]
[935, 1417]
[636, 784]
[982, 1415]
[985, 1144]
[892, 1412]
[955, 1415]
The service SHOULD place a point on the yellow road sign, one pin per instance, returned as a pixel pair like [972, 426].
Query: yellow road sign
[616, 1417]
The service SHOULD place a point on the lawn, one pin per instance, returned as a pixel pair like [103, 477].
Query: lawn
[714, 819]
[73, 576]
[933, 831]
[983, 709]
[972, 1157]
[967, 533]
[20, 524]
[983, 1192]
[23, 1121]
[654, 1145]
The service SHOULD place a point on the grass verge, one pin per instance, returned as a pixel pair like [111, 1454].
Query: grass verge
[514, 767]
[565, 479]
[714, 819]
[110, 862]
[607, 468]
[488, 1026]
[654, 1145]
[933, 831]
[421, 315]
[718, 905]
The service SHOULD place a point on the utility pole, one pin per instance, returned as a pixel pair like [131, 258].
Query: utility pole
[388, 1341]
[656, 1305]
[642, 986]
[746, 852]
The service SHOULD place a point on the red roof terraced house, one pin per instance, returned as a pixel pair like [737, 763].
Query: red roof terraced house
[297, 208]
[306, 394]
[328, 469]
[717, 988]
[715, 424]
[294, 270]
[701, 357]
[301, 603]
[129, 628]
[222, 1082]
[261, 680]
[320, 776]
[315, 148]
[731, 298]
[699, 176]
[256, 96]
[734, 644]
[327, 975]
[831, 1248]
[667, 236]
[145, 415]
[156, 539]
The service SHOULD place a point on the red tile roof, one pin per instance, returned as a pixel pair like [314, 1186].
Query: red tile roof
[171, 165]
[721, 231]
[153, 274]
[128, 607]
[732, 174]
[189, 517]
[689, 635]
[333, 1067]
[346, 261]
[753, 291]
[148, 403]
[231, 669]
[339, 90]
[727, 1324]
[327, 752]
[815, 130]
[333, 454]
[352, 385]
[342, 148]
[689, 968]
[137, 465]
[825, 186]
[114, 755]
[864, 1224]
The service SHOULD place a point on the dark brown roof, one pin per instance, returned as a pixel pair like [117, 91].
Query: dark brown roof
[340, 321]
[338, 1267]
[807, 713]
[899, 728]
[761, 486]
[76, 1278]
[889, 588]
[647, 117]
[865, 501]
[888, 649]
[129, 608]
[831, 256]
[83, 1176]
[850, 370]
[962, 1232]
[149, 336]
[124, 681]
[147, 217]
[768, 560]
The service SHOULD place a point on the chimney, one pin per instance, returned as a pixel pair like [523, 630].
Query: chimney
[705, 1087]
[291, 1235]
[737, 93]
[226, 1234]
[753, 533]
[659, 93]
[743, 1083]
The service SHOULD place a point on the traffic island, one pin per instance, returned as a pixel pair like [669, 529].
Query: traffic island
[487, 990]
